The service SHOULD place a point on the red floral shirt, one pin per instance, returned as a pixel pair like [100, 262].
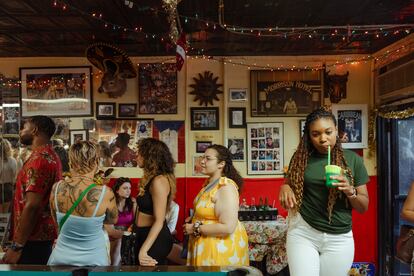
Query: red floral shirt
[124, 158]
[38, 175]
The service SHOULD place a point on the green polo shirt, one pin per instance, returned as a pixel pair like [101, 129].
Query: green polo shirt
[315, 194]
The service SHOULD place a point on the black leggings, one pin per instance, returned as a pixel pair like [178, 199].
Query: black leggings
[161, 246]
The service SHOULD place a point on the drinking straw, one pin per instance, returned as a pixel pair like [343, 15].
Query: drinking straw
[329, 155]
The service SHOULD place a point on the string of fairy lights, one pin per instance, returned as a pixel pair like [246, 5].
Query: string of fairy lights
[344, 32]
[320, 32]
[14, 83]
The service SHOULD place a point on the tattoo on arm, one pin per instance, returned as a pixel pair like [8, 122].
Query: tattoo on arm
[111, 215]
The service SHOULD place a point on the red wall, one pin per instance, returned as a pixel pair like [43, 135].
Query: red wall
[364, 225]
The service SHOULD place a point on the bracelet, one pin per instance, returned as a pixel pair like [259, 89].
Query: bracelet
[354, 193]
[196, 226]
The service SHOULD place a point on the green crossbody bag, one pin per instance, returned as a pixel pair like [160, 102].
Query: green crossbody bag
[63, 220]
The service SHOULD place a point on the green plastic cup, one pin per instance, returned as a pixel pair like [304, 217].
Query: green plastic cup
[331, 170]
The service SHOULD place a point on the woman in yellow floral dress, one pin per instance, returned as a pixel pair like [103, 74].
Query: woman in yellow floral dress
[216, 235]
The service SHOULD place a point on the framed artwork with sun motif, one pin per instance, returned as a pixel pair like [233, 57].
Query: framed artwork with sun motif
[206, 88]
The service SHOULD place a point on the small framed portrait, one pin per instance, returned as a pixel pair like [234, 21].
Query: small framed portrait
[201, 146]
[127, 110]
[237, 117]
[197, 169]
[237, 94]
[105, 110]
[302, 123]
[204, 118]
[236, 148]
[77, 135]
[352, 125]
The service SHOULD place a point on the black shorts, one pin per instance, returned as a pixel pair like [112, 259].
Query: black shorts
[161, 247]
[6, 192]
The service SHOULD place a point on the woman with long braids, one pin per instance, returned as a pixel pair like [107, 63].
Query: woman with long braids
[320, 240]
[216, 235]
[156, 190]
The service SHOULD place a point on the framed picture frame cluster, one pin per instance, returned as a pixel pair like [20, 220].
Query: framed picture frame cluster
[265, 148]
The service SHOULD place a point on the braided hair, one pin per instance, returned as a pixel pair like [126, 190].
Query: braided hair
[229, 171]
[299, 161]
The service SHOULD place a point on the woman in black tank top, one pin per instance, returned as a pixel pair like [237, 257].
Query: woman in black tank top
[157, 189]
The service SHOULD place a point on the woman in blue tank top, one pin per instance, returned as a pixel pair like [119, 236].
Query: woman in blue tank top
[81, 240]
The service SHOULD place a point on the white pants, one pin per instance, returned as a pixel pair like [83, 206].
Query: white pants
[314, 253]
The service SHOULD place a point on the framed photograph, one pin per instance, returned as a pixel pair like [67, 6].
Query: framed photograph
[237, 117]
[157, 84]
[265, 148]
[105, 110]
[56, 91]
[62, 128]
[236, 148]
[127, 110]
[237, 94]
[352, 124]
[197, 165]
[285, 93]
[201, 146]
[302, 123]
[204, 118]
[78, 135]
[172, 133]
[11, 113]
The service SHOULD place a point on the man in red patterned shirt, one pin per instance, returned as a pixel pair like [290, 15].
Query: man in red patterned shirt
[33, 228]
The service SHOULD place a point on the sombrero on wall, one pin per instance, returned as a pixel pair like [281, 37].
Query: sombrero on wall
[115, 64]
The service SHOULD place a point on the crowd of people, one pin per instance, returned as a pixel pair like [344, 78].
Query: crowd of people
[63, 216]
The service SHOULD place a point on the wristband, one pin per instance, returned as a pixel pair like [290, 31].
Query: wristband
[354, 193]
[196, 226]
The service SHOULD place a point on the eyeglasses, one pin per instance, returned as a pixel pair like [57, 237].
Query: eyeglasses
[207, 158]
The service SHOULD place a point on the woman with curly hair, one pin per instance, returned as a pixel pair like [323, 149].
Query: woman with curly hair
[156, 190]
[320, 240]
[216, 235]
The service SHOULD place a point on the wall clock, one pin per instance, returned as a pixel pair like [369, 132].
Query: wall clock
[205, 88]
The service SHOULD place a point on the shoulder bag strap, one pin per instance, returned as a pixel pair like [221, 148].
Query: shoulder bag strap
[63, 220]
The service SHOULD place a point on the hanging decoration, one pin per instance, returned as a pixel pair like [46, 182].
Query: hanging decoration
[206, 88]
[115, 64]
[401, 114]
[335, 87]
[181, 51]
[170, 6]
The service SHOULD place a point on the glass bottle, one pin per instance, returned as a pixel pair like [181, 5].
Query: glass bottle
[253, 205]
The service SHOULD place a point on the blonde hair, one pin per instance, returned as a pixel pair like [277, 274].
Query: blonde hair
[83, 157]
[5, 149]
